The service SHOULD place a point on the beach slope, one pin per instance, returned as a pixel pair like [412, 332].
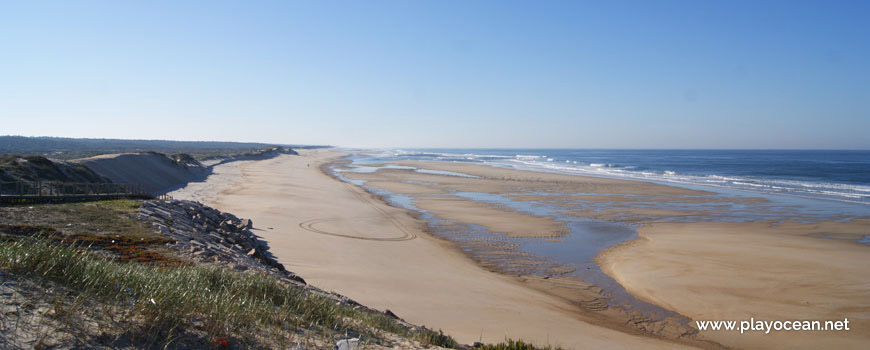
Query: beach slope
[339, 237]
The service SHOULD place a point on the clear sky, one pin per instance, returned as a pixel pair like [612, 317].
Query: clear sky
[577, 74]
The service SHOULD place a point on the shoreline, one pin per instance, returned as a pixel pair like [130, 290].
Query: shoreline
[587, 298]
[760, 212]
[591, 299]
[423, 280]
[579, 300]
[634, 169]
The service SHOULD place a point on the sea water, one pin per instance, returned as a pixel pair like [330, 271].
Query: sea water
[818, 174]
[804, 184]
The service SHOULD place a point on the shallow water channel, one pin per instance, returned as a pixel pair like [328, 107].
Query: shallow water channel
[569, 255]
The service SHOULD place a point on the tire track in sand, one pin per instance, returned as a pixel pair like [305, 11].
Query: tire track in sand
[308, 225]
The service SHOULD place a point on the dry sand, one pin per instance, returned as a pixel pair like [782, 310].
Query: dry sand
[734, 271]
[704, 270]
[338, 237]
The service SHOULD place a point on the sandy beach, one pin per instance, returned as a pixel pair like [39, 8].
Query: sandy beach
[728, 271]
[340, 237]
[701, 254]
[481, 175]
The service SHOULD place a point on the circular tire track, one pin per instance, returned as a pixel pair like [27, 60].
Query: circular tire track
[308, 225]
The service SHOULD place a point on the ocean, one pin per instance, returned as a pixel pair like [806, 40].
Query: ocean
[842, 176]
[799, 184]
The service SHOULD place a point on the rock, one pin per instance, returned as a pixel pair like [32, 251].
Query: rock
[162, 213]
[348, 344]
[204, 234]
[161, 228]
[203, 253]
[295, 277]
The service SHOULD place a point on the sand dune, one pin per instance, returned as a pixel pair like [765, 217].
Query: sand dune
[155, 170]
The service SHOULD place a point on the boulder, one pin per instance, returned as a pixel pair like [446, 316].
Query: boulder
[246, 224]
[205, 234]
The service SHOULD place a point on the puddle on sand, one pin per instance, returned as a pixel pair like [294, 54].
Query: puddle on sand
[573, 254]
[371, 169]
[577, 249]
[570, 255]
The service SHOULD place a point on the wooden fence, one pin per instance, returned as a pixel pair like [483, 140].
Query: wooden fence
[38, 191]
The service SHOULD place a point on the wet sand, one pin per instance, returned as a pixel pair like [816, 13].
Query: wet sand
[498, 220]
[341, 238]
[689, 258]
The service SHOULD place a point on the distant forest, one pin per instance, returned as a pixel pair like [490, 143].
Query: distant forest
[70, 148]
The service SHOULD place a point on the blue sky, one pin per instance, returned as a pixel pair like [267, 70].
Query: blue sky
[603, 74]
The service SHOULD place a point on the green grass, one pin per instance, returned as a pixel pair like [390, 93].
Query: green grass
[224, 303]
[511, 344]
[219, 302]
[99, 217]
[111, 216]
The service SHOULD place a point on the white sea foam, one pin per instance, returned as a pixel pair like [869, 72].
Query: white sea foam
[543, 163]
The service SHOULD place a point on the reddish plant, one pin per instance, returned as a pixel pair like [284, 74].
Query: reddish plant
[221, 343]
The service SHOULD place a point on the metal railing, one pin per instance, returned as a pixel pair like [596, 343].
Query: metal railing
[54, 190]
